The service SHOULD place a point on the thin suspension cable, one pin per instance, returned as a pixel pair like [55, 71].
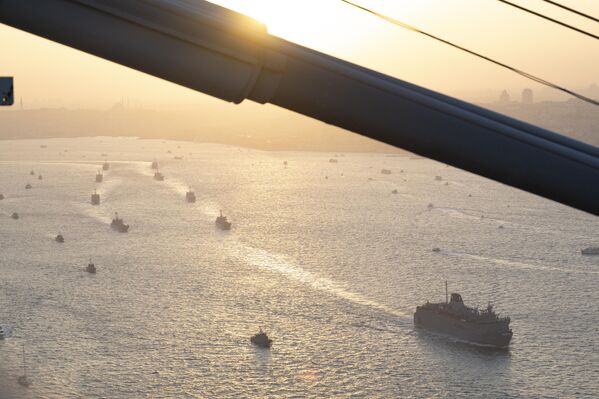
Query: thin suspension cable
[582, 14]
[584, 32]
[484, 57]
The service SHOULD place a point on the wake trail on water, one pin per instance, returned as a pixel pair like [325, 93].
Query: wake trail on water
[176, 185]
[517, 264]
[460, 214]
[282, 264]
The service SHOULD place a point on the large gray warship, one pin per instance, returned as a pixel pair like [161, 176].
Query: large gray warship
[453, 318]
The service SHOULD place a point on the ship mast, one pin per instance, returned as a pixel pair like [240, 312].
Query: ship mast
[446, 295]
[24, 365]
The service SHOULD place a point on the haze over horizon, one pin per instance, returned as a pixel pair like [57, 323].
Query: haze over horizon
[522, 40]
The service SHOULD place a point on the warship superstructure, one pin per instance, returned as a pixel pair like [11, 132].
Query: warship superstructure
[473, 325]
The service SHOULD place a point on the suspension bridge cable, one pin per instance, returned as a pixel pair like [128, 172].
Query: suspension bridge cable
[484, 57]
[584, 32]
[582, 14]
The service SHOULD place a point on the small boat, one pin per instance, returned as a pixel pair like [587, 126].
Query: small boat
[43, 146]
[590, 251]
[190, 196]
[333, 160]
[95, 198]
[59, 238]
[395, 192]
[27, 186]
[438, 178]
[154, 164]
[39, 177]
[118, 224]
[1, 196]
[261, 339]
[99, 177]
[430, 206]
[436, 249]
[24, 380]
[5, 331]
[285, 163]
[178, 157]
[91, 268]
[385, 171]
[222, 222]
[15, 215]
[105, 165]
[32, 173]
[158, 176]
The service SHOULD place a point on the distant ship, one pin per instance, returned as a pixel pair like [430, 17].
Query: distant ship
[222, 222]
[5, 331]
[99, 177]
[190, 196]
[95, 198]
[1, 196]
[32, 173]
[481, 327]
[178, 157]
[39, 177]
[118, 224]
[590, 251]
[333, 160]
[395, 191]
[59, 238]
[105, 166]
[154, 164]
[438, 178]
[27, 186]
[15, 215]
[385, 171]
[91, 268]
[158, 176]
[261, 339]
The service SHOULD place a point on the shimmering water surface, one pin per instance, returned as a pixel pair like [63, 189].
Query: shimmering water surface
[331, 267]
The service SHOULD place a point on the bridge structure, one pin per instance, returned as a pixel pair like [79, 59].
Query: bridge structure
[224, 54]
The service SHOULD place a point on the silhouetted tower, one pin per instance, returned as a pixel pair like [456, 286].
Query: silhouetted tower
[504, 98]
[527, 96]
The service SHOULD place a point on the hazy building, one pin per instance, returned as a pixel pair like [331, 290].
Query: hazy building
[504, 98]
[527, 96]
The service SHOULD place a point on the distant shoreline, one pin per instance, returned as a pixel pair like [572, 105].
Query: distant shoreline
[396, 152]
[290, 133]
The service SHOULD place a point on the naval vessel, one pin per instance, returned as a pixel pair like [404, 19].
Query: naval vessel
[452, 317]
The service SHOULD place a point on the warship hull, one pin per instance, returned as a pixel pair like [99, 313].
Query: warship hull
[493, 334]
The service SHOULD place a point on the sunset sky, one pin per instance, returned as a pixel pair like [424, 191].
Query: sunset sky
[50, 74]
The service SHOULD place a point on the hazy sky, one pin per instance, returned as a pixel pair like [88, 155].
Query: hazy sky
[50, 74]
